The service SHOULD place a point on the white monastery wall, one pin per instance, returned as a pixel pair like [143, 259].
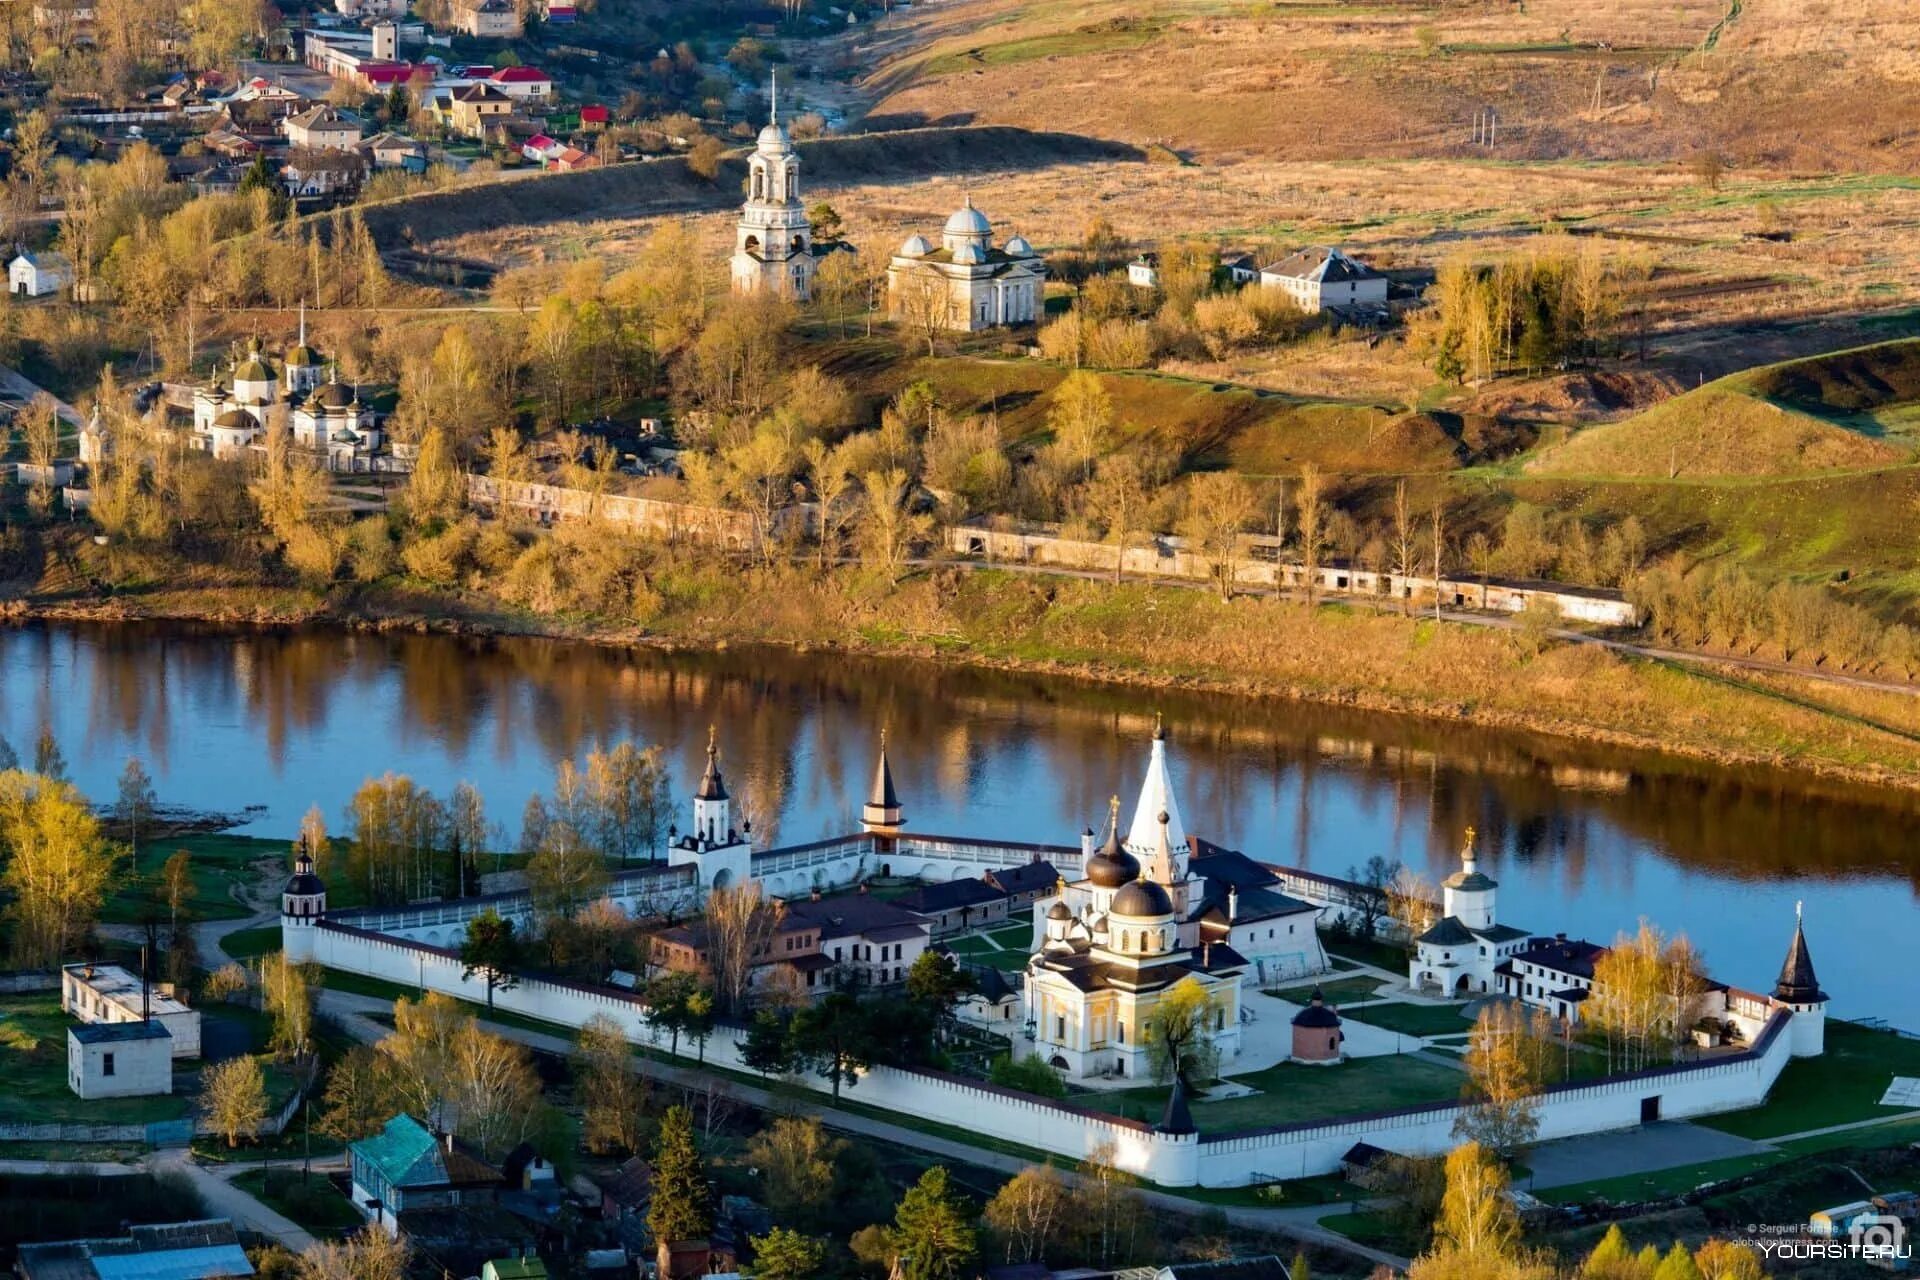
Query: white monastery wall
[1170, 1160]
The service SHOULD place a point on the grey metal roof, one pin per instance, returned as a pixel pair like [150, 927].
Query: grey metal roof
[118, 1032]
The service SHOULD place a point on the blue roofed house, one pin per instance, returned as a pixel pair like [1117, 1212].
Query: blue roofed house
[406, 1166]
[204, 1250]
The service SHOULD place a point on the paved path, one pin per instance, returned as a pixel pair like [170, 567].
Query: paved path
[17, 383]
[214, 1186]
[1668, 1145]
[350, 1012]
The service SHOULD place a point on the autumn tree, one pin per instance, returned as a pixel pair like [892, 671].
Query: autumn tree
[358, 1099]
[1179, 1034]
[740, 924]
[1029, 1212]
[233, 1094]
[58, 865]
[1080, 418]
[364, 1255]
[1117, 498]
[628, 789]
[1413, 904]
[611, 1093]
[796, 1158]
[1477, 1220]
[1502, 1094]
[1219, 507]
[286, 987]
[1647, 994]
[1312, 527]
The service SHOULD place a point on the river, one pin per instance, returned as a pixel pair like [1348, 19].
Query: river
[1583, 840]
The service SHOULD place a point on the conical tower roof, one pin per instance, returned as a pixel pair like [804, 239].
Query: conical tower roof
[883, 795]
[1797, 984]
[1156, 798]
[1178, 1118]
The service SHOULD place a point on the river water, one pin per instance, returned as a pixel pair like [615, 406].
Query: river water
[1583, 840]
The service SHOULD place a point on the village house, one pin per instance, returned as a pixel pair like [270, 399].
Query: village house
[868, 943]
[489, 19]
[1321, 279]
[119, 1060]
[321, 128]
[389, 150]
[37, 274]
[522, 84]
[477, 108]
[310, 173]
[967, 284]
[406, 1167]
[106, 994]
[204, 1250]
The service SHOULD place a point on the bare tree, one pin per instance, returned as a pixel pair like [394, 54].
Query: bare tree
[1313, 528]
[1403, 543]
[740, 926]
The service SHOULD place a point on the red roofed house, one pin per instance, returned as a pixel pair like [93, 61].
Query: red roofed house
[571, 158]
[384, 75]
[526, 84]
[540, 148]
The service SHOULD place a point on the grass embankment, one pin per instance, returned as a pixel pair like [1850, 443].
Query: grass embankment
[1841, 1086]
[1827, 413]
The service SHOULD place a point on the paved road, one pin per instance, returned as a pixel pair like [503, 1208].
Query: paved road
[18, 384]
[1651, 1147]
[350, 1012]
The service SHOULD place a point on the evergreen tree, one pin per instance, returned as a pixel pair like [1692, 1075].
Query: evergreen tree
[768, 1047]
[785, 1254]
[682, 1207]
[933, 1229]
[490, 949]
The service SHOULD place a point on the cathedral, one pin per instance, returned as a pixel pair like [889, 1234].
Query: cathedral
[967, 284]
[324, 415]
[1139, 922]
[773, 244]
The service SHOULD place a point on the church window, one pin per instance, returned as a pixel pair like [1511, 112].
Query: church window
[1126, 942]
[1060, 1027]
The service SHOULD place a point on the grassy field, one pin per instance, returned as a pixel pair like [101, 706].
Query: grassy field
[251, 944]
[1413, 1019]
[33, 1063]
[312, 1202]
[221, 863]
[1576, 77]
[1290, 1093]
[1842, 1085]
[1340, 992]
[1381, 955]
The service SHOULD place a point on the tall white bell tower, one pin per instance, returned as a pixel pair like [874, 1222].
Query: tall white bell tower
[773, 243]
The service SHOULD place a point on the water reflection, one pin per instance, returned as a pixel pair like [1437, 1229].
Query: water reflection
[1582, 838]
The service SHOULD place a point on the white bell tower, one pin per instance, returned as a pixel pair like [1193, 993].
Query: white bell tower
[773, 243]
[722, 854]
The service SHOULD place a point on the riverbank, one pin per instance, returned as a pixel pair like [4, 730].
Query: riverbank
[1140, 636]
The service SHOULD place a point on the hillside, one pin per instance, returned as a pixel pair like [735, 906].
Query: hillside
[1767, 82]
[666, 186]
[1828, 413]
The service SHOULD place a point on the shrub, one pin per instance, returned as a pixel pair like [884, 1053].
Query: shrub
[443, 558]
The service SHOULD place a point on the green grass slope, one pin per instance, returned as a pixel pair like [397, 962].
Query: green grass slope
[1837, 412]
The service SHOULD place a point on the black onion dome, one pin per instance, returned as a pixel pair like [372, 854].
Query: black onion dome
[1142, 900]
[1316, 1014]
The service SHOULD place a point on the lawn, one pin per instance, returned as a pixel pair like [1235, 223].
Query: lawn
[1289, 1093]
[1842, 1085]
[1343, 991]
[33, 1062]
[1381, 955]
[220, 863]
[312, 1201]
[251, 944]
[1413, 1019]
[1660, 1183]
